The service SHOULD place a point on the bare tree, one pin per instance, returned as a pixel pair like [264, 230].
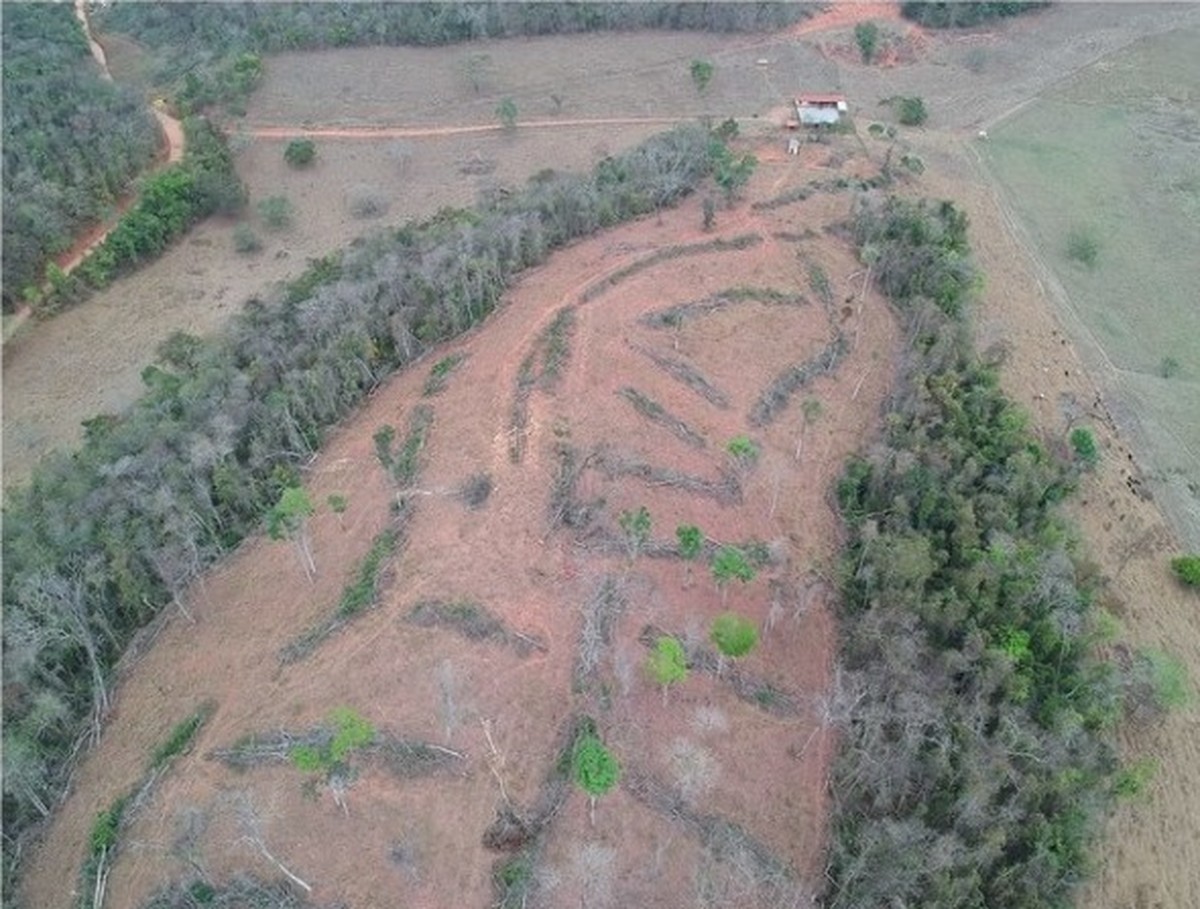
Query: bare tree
[252, 835]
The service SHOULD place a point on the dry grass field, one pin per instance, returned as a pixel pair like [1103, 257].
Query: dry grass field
[757, 765]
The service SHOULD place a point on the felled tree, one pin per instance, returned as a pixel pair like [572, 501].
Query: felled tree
[594, 769]
[667, 664]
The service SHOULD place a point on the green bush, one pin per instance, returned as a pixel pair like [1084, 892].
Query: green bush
[300, 152]
[912, 111]
[702, 73]
[866, 34]
[1083, 247]
[1187, 569]
[245, 240]
[1083, 443]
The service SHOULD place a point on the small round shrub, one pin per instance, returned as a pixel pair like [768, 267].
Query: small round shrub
[245, 240]
[1187, 569]
[300, 152]
[912, 111]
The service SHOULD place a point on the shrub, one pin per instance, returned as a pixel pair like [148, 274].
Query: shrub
[912, 111]
[276, 212]
[245, 240]
[866, 34]
[300, 152]
[1083, 443]
[366, 201]
[506, 111]
[1187, 569]
[1083, 247]
[702, 73]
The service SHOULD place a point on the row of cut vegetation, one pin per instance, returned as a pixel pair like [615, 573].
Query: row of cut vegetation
[101, 539]
[978, 757]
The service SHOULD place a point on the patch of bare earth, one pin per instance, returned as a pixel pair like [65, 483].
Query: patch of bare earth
[753, 774]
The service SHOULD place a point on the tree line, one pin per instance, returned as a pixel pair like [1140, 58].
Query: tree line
[963, 15]
[978, 757]
[73, 142]
[169, 202]
[102, 538]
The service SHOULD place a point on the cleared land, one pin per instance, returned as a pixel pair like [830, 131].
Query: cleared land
[535, 583]
[749, 760]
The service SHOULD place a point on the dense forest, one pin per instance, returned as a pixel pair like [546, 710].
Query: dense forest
[73, 142]
[100, 540]
[962, 15]
[978, 757]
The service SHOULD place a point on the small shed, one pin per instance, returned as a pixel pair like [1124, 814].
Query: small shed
[820, 109]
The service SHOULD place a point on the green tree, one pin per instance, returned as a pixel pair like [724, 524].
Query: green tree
[1187, 569]
[288, 520]
[702, 73]
[912, 111]
[867, 36]
[691, 541]
[743, 450]
[733, 635]
[300, 152]
[338, 504]
[506, 110]
[594, 768]
[1084, 445]
[731, 173]
[667, 664]
[636, 527]
[729, 564]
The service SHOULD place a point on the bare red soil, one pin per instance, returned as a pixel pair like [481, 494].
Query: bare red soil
[765, 773]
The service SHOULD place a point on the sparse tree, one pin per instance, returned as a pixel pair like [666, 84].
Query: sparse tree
[506, 110]
[636, 527]
[710, 212]
[866, 34]
[594, 768]
[288, 520]
[733, 635]
[691, 541]
[338, 504]
[667, 664]
[810, 410]
[729, 564]
[478, 69]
